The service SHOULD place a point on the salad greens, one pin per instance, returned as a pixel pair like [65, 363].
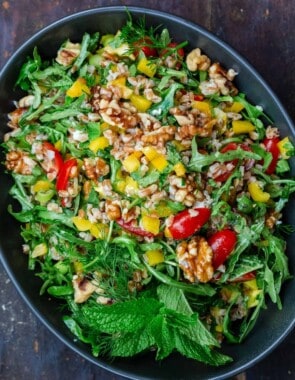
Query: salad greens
[151, 194]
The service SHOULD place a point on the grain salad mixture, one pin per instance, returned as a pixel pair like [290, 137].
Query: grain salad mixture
[151, 194]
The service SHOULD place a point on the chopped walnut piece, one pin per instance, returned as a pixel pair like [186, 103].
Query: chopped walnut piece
[19, 162]
[195, 60]
[195, 259]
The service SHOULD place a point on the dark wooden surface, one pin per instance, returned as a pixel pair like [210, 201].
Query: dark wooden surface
[262, 31]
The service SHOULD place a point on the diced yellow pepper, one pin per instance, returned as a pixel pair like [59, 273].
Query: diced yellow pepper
[202, 106]
[104, 126]
[150, 224]
[99, 143]
[82, 224]
[58, 145]
[154, 257]
[234, 107]
[99, 230]
[257, 194]
[281, 145]
[179, 146]
[150, 152]
[141, 103]
[147, 67]
[131, 186]
[252, 291]
[78, 88]
[159, 162]
[167, 233]
[39, 250]
[131, 163]
[78, 267]
[219, 328]
[179, 169]
[42, 185]
[242, 126]
[120, 82]
[163, 210]
[121, 185]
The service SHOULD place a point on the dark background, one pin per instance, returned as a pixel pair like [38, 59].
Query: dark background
[262, 31]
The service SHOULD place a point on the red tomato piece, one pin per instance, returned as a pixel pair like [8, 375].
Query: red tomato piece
[246, 277]
[231, 146]
[222, 243]
[145, 45]
[271, 145]
[128, 226]
[187, 222]
[56, 161]
[65, 173]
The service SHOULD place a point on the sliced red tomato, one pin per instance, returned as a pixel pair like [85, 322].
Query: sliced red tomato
[271, 145]
[145, 45]
[245, 277]
[231, 146]
[130, 227]
[172, 45]
[54, 156]
[222, 243]
[65, 173]
[187, 222]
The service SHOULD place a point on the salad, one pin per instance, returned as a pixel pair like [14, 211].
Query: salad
[151, 194]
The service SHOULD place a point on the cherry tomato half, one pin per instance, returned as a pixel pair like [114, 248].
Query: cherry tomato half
[53, 157]
[231, 146]
[189, 221]
[64, 174]
[222, 243]
[145, 45]
[271, 145]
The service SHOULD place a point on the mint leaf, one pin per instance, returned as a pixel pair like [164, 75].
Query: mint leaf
[128, 316]
[192, 350]
[175, 299]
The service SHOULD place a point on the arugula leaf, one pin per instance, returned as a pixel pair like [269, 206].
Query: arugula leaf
[162, 108]
[199, 161]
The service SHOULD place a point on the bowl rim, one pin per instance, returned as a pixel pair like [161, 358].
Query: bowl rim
[140, 11]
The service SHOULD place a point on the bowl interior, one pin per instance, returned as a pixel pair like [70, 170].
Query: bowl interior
[273, 324]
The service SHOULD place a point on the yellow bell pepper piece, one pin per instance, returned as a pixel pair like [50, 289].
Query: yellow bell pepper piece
[235, 107]
[163, 210]
[150, 224]
[40, 250]
[42, 185]
[99, 230]
[120, 82]
[159, 162]
[257, 194]
[150, 152]
[147, 67]
[141, 103]
[82, 224]
[202, 106]
[167, 233]
[154, 257]
[179, 146]
[131, 186]
[99, 143]
[179, 169]
[78, 88]
[282, 147]
[78, 267]
[242, 126]
[58, 145]
[131, 163]
[252, 291]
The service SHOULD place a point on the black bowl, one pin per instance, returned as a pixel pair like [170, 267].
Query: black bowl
[272, 326]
